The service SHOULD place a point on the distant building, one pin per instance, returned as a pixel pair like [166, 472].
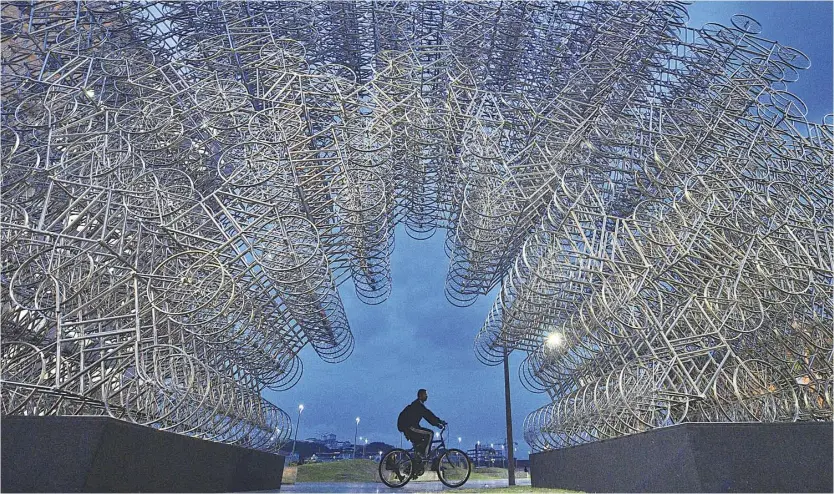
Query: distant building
[327, 440]
[326, 457]
[487, 457]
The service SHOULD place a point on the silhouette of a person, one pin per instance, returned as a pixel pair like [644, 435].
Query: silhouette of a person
[409, 423]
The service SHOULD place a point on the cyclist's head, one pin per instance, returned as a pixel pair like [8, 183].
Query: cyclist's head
[422, 395]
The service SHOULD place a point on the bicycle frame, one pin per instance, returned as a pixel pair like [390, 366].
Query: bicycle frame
[436, 451]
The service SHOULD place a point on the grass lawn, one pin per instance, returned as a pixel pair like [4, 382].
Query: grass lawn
[492, 473]
[514, 489]
[366, 471]
[338, 471]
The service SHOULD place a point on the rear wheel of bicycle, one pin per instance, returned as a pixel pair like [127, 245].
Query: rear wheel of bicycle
[454, 468]
[395, 468]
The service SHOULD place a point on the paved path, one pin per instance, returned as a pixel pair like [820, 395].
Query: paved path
[380, 487]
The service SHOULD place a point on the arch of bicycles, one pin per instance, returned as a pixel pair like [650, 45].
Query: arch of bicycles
[185, 185]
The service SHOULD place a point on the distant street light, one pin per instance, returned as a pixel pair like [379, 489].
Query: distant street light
[363, 447]
[459, 440]
[297, 423]
[355, 435]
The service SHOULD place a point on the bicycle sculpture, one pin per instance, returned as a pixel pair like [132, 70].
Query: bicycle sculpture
[186, 184]
[399, 466]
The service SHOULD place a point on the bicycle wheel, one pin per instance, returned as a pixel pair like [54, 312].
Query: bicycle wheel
[454, 468]
[395, 468]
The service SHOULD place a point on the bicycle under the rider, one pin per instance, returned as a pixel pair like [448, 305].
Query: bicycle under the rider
[453, 467]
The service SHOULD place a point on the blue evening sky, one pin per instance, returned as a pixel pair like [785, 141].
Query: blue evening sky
[417, 339]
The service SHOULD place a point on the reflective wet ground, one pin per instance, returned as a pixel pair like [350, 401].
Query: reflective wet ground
[379, 487]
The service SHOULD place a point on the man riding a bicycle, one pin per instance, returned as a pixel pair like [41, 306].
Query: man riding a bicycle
[408, 423]
[398, 466]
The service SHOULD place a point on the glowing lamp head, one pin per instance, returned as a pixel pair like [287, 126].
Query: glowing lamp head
[554, 340]
[300, 408]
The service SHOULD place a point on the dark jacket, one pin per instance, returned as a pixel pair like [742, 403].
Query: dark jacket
[416, 411]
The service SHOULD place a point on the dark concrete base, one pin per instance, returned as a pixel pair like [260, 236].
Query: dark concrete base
[101, 454]
[697, 457]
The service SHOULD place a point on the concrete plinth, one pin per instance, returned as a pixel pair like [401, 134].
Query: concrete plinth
[101, 454]
[697, 457]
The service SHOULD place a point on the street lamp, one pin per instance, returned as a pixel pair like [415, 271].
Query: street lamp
[297, 423]
[363, 447]
[554, 340]
[508, 411]
[355, 435]
[459, 440]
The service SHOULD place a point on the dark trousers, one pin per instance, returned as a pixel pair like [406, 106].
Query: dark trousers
[421, 438]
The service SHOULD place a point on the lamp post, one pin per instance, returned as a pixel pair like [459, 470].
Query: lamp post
[355, 435]
[509, 413]
[477, 456]
[297, 423]
[459, 440]
[364, 446]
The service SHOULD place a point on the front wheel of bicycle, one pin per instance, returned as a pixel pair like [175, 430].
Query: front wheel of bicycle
[454, 468]
[395, 468]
